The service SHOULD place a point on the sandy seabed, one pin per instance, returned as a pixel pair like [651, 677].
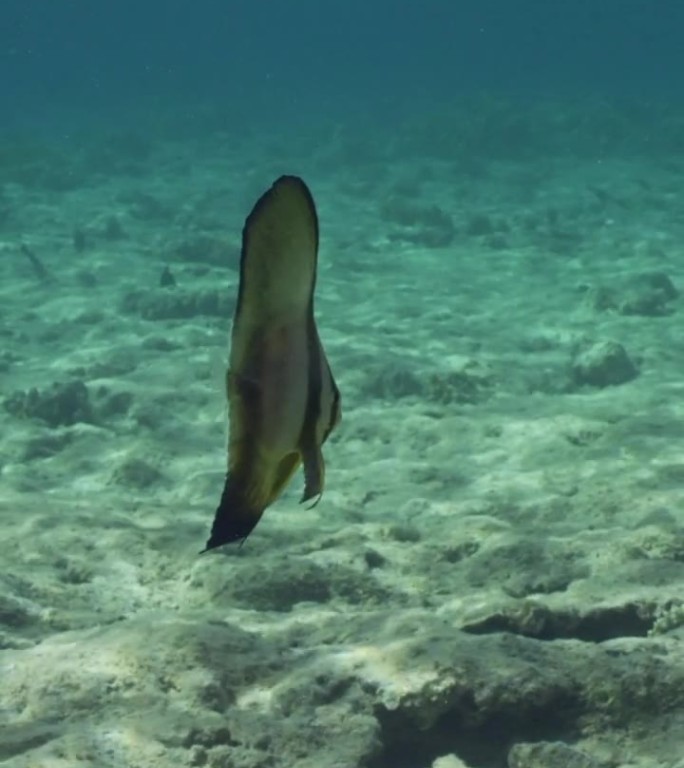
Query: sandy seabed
[495, 575]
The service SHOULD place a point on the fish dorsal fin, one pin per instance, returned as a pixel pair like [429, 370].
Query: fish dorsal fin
[279, 254]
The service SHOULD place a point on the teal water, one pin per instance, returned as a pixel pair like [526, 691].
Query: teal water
[494, 575]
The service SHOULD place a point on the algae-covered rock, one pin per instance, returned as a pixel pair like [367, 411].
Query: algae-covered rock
[464, 381]
[59, 405]
[136, 474]
[649, 294]
[604, 364]
[392, 382]
[546, 754]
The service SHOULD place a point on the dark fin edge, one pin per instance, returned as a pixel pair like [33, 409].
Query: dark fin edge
[235, 517]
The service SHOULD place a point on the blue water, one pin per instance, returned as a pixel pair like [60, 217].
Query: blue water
[346, 60]
[495, 572]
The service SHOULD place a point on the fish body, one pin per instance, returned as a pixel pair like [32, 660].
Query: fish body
[282, 397]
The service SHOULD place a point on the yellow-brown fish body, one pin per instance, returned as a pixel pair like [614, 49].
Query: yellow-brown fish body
[282, 397]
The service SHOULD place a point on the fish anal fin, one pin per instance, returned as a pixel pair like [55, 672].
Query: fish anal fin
[236, 516]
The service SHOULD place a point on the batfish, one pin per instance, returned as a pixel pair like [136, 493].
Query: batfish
[282, 398]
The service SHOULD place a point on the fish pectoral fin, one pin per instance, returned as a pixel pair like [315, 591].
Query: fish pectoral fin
[244, 387]
[314, 474]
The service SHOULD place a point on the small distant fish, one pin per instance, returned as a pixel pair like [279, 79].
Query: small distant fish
[167, 279]
[79, 240]
[39, 268]
[606, 198]
[283, 400]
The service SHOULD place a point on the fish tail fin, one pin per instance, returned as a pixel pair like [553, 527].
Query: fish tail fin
[236, 516]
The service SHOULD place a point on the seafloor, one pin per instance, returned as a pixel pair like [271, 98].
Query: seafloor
[495, 575]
